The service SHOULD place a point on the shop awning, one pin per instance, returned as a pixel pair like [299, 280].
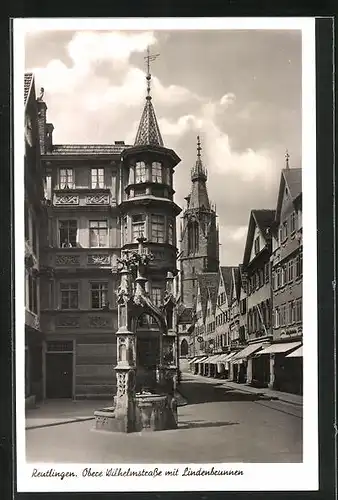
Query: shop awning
[298, 353]
[247, 351]
[208, 359]
[279, 348]
[192, 360]
[225, 357]
[200, 360]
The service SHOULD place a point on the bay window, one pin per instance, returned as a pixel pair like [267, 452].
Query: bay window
[171, 232]
[157, 228]
[140, 172]
[156, 171]
[138, 226]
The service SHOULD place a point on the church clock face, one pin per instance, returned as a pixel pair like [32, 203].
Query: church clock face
[28, 130]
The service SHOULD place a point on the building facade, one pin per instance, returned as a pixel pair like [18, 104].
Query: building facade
[287, 287]
[34, 227]
[100, 199]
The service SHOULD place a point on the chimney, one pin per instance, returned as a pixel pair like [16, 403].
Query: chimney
[42, 114]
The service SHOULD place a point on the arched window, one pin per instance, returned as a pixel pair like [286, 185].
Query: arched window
[193, 237]
[184, 348]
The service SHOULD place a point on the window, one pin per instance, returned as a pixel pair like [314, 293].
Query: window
[99, 294]
[299, 265]
[290, 271]
[125, 229]
[267, 272]
[157, 228]
[67, 233]
[243, 306]
[66, 178]
[69, 295]
[280, 234]
[193, 243]
[292, 312]
[257, 245]
[277, 317]
[156, 171]
[285, 230]
[170, 232]
[156, 294]
[140, 172]
[138, 223]
[293, 222]
[98, 233]
[32, 294]
[299, 312]
[97, 178]
[283, 315]
[284, 276]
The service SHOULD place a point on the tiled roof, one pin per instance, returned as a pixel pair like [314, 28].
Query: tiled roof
[88, 149]
[293, 177]
[148, 133]
[28, 79]
[226, 272]
[208, 284]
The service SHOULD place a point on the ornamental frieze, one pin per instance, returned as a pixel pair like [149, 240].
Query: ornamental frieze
[99, 322]
[67, 260]
[68, 321]
[98, 260]
[66, 199]
[97, 199]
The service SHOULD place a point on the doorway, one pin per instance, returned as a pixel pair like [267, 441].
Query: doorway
[59, 375]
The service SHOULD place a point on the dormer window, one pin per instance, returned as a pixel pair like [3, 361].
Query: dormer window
[257, 245]
[156, 171]
[140, 172]
[97, 178]
[66, 178]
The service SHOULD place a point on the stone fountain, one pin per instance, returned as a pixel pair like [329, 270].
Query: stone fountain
[145, 396]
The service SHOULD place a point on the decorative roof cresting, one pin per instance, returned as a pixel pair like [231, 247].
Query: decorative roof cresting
[148, 133]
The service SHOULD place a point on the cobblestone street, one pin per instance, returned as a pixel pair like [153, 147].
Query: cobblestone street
[218, 424]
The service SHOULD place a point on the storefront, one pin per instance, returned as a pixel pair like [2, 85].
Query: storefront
[242, 361]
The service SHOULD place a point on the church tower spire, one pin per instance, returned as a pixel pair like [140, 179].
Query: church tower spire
[199, 195]
[148, 133]
[199, 233]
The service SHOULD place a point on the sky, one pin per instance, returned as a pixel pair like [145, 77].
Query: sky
[240, 90]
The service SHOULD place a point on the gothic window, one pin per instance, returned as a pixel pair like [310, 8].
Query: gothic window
[99, 293]
[193, 242]
[66, 178]
[138, 225]
[98, 233]
[156, 171]
[97, 178]
[140, 172]
[157, 228]
[67, 233]
[69, 295]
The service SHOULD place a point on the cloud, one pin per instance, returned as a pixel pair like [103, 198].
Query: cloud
[227, 100]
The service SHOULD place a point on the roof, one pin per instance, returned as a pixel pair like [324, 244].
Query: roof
[264, 219]
[234, 282]
[88, 149]
[226, 273]
[184, 314]
[208, 285]
[292, 177]
[148, 132]
[28, 83]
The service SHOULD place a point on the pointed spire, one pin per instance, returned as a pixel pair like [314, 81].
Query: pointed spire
[287, 157]
[198, 172]
[148, 132]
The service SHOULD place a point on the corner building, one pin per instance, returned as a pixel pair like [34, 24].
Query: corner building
[101, 198]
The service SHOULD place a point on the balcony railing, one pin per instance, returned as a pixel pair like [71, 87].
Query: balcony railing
[83, 197]
[61, 321]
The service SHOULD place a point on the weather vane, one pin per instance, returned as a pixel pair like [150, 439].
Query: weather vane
[149, 57]
[287, 157]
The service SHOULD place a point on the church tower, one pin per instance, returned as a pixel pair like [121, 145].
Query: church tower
[199, 233]
[147, 207]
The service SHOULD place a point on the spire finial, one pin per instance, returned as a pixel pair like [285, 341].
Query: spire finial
[149, 57]
[198, 147]
[287, 157]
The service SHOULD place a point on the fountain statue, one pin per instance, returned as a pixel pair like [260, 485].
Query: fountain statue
[145, 396]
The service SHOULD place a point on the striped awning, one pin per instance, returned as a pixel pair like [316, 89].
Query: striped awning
[192, 360]
[200, 360]
[298, 353]
[226, 357]
[248, 350]
[279, 348]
